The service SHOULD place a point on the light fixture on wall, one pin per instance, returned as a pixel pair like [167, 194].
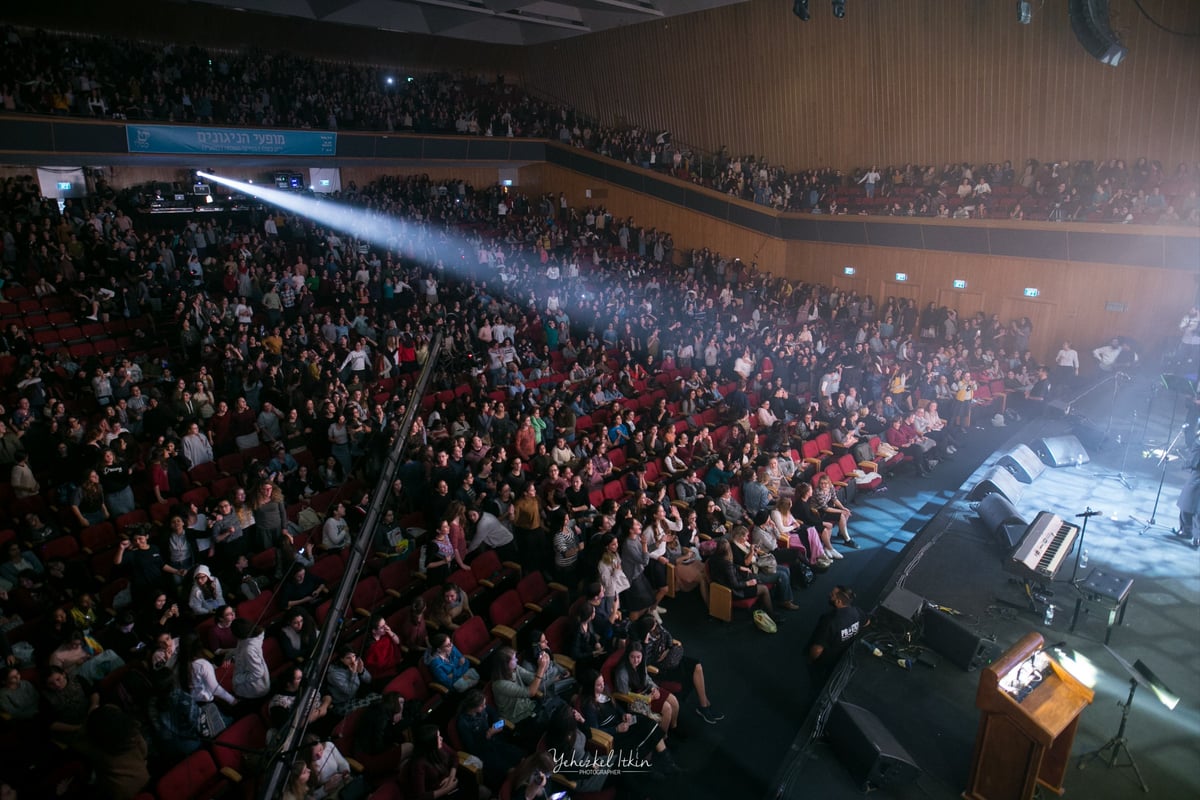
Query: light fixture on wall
[800, 9]
[839, 9]
[1024, 12]
[848, 270]
[901, 276]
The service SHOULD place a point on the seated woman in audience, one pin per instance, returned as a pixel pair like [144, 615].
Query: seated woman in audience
[565, 738]
[583, 643]
[434, 771]
[519, 693]
[383, 650]
[753, 563]
[632, 733]
[448, 666]
[631, 676]
[731, 574]
[413, 633]
[451, 608]
[477, 729]
[346, 681]
[557, 679]
[831, 507]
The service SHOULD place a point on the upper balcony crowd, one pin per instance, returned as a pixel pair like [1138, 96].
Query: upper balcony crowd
[108, 78]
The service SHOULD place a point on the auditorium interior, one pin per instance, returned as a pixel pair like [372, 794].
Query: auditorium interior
[312, 313]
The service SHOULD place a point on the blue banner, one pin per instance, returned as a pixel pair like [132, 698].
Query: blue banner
[229, 141]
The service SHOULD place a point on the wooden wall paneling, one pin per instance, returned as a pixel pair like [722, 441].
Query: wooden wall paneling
[921, 80]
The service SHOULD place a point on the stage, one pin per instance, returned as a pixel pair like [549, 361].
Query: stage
[957, 562]
[924, 536]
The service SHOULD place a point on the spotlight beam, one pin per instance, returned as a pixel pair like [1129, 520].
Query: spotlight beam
[388, 232]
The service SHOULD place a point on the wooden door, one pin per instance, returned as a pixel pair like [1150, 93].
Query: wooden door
[967, 304]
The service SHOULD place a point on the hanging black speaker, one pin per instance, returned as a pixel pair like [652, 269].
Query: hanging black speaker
[1090, 23]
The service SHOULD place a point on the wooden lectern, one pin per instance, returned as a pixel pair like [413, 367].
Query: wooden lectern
[1030, 709]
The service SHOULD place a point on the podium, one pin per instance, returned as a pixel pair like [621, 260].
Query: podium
[1029, 713]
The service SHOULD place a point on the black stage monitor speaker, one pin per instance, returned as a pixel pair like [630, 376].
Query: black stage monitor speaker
[1023, 463]
[867, 748]
[955, 641]
[1061, 451]
[1090, 23]
[902, 606]
[1002, 520]
[997, 479]
[1089, 434]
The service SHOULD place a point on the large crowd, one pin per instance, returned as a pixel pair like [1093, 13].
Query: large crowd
[112, 79]
[194, 415]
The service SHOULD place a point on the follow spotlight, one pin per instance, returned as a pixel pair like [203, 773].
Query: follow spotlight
[378, 229]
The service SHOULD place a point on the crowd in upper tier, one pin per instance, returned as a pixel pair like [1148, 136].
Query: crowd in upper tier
[107, 78]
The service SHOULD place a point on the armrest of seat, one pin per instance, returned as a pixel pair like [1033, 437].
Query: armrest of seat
[600, 739]
[439, 687]
[558, 587]
[465, 763]
[232, 774]
[563, 781]
[355, 766]
[868, 466]
[566, 662]
[816, 462]
[514, 566]
[506, 633]
[534, 607]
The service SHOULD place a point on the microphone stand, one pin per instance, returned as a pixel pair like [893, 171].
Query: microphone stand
[1162, 476]
[1086, 515]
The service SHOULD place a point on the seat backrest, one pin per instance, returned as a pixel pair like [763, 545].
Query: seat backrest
[532, 588]
[368, 594]
[556, 634]
[506, 609]
[409, 685]
[188, 778]
[247, 734]
[465, 580]
[485, 564]
[471, 636]
[809, 449]
[847, 463]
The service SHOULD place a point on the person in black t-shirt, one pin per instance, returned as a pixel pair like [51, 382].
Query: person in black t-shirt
[836, 631]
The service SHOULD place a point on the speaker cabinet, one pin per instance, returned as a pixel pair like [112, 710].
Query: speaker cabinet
[1061, 451]
[902, 606]
[1023, 463]
[1089, 434]
[1089, 22]
[997, 479]
[957, 643]
[1002, 520]
[867, 748]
